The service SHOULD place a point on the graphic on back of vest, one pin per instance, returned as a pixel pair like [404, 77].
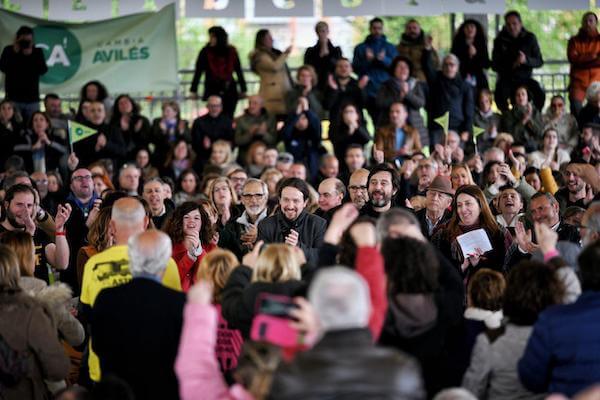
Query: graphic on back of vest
[112, 269]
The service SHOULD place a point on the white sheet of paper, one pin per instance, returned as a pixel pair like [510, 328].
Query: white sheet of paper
[470, 241]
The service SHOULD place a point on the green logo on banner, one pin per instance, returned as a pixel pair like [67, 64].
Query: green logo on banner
[62, 51]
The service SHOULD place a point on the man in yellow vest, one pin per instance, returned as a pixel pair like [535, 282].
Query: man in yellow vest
[110, 268]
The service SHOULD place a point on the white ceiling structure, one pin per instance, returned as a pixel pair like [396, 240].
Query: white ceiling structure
[91, 10]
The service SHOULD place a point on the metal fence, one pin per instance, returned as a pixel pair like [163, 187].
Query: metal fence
[554, 78]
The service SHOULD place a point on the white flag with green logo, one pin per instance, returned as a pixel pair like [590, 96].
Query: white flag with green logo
[136, 53]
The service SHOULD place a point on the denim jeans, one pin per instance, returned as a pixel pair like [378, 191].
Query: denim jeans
[27, 109]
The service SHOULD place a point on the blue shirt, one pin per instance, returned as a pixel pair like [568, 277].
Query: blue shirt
[400, 136]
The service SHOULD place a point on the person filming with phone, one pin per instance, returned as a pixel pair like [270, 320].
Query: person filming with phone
[23, 64]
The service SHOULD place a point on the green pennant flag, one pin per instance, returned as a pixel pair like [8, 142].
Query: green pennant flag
[477, 131]
[443, 121]
[79, 132]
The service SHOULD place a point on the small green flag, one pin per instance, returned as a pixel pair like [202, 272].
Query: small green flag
[443, 121]
[79, 132]
[477, 131]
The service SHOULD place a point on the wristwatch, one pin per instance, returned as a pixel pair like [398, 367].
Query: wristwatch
[196, 252]
[41, 215]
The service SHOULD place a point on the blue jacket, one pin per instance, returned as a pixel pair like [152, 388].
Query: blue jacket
[376, 69]
[563, 352]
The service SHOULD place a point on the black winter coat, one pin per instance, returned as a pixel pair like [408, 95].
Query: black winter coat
[238, 299]
[310, 228]
[506, 50]
[229, 238]
[323, 65]
[136, 329]
[346, 365]
[22, 74]
[448, 95]
[433, 341]
[475, 66]
[335, 99]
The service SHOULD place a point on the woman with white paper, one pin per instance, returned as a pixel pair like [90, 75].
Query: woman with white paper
[472, 239]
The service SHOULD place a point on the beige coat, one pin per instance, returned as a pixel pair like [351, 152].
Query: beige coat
[274, 80]
[28, 328]
[56, 298]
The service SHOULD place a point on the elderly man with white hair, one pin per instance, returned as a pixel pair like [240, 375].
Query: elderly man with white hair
[136, 326]
[345, 363]
[111, 268]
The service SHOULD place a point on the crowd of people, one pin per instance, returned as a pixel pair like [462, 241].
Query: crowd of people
[236, 257]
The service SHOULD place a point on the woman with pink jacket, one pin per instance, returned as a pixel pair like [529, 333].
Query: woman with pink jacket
[196, 366]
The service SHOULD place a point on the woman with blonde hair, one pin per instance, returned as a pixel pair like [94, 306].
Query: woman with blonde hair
[278, 262]
[54, 297]
[215, 268]
[460, 175]
[29, 333]
[221, 157]
[503, 141]
[224, 198]
[275, 271]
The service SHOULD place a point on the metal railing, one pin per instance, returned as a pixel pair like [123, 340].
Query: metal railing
[553, 77]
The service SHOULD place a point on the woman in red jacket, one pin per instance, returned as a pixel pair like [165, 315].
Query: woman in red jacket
[191, 231]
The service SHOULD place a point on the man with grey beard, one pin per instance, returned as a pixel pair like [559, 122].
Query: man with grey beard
[239, 235]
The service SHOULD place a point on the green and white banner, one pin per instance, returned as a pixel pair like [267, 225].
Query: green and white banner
[136, 53]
